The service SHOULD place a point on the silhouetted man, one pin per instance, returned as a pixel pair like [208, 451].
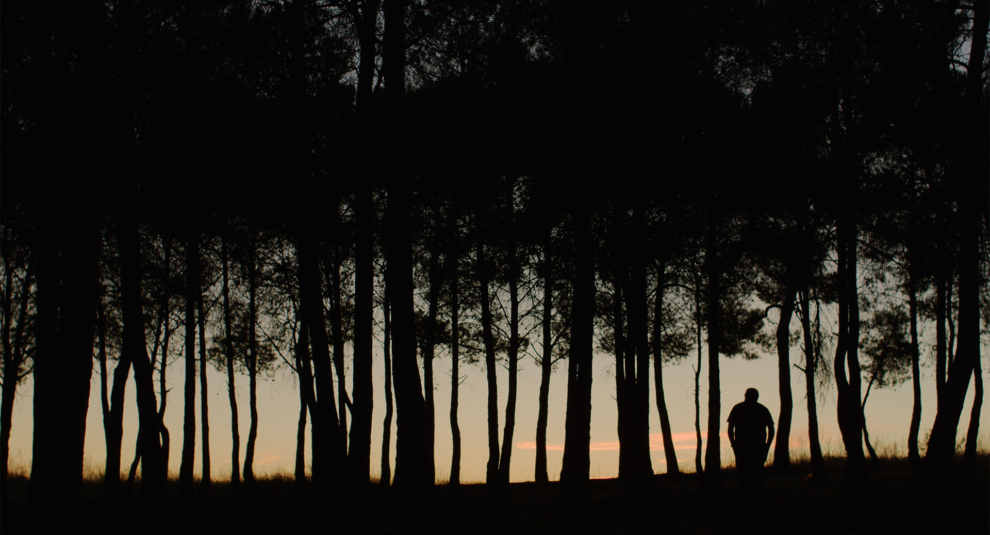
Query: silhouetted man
[750, 433]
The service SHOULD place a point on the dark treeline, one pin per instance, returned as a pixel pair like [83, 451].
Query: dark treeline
[244, 184]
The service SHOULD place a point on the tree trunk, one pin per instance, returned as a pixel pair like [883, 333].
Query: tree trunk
[429, 349]
[68, 248]
[637, 372]
[491, 473]
[505, 460]
[546, 362]
[576, 463]
[362, 387]
[698, 466]
[810, 365]
[713, 463]
[228, 345]
[204, 409]
[412, 483]
[189, 406]
[847, 380]
[866, 432]
[113, 427]
[153, 465]
[328, 458]
[913, 455]
[781, 451]
[13, 354]
[670, 455]
[252, 364]
[305, 391]
[337, 331]
[386, 478]
[973, 432]
[622, 393]
[455, 359]
[970, 179]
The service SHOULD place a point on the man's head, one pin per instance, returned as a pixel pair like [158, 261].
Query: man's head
[752, 395]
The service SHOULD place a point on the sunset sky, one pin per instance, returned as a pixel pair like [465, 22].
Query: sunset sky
[888, 414]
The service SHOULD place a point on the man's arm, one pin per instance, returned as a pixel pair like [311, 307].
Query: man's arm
[732, 434]
[770, 434]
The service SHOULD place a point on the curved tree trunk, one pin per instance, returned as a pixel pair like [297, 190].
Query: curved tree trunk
[913, 455]
[969, 181]
[670, 455]
[973, 432]
[228, 345]
[252, 364]
[781, 451]
[847, 370]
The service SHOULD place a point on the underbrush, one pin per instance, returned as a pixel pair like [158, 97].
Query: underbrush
[895, 500]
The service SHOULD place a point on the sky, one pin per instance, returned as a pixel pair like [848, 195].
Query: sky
[888, 415]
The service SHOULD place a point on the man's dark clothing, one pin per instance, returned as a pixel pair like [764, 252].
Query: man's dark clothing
[750, 421]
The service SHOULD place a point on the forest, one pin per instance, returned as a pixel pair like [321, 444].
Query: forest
[241, 184]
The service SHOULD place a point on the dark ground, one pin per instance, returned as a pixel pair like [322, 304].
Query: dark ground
[896, 501]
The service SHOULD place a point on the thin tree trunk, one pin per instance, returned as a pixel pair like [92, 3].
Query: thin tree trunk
[252, 362]
[228, 345]
[849, 411]
[698, 466]
[781, 452]
[505, 459]
[455, 357]
[386, 478]
[113, 427]
[973, 432]
[204, 414]
[866, 433]
[337, 336]
[622, 400]
[491, 473]
[305, 391]
[429, 349]
[546, 363]
[670, 455]
[713, 463]
[153, 465]
[189, 406]
[638, 368]
[163, 396]
[913, 454]
[810, 365]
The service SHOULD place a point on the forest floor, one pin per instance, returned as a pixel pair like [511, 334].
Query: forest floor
[895, 501]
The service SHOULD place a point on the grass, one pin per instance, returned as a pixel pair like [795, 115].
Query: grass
[896, 501]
